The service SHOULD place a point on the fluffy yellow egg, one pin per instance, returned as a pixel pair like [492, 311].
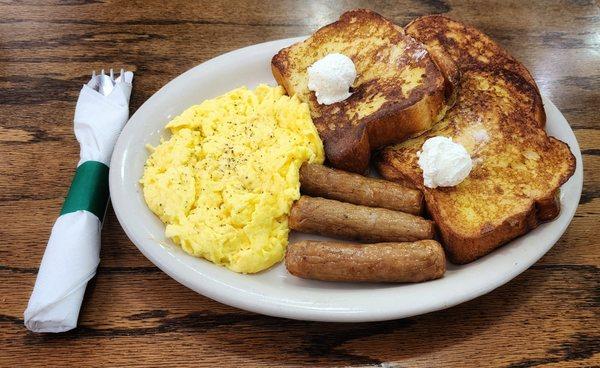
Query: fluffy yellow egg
[224, 182]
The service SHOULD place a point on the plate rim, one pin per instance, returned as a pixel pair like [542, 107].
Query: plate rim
[276, 307]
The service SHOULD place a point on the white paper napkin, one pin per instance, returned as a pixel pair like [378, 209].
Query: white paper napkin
[73, 251]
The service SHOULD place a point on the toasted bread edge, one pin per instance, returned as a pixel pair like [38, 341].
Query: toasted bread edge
[381, 130]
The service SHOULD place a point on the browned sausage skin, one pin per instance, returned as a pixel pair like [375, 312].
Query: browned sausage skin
[321, 181]
[381, 262]
[348, 221]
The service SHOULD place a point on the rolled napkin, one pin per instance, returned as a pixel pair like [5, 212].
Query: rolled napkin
[73, 251]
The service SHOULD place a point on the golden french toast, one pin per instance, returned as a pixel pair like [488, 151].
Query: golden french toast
[499, 118]
[399, 90]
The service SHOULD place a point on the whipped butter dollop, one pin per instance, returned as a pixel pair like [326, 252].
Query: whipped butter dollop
[444, 163]
[331, 77]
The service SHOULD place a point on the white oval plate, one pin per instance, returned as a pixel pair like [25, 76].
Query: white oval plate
[275, 292]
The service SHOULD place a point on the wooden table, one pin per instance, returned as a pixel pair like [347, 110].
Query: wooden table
[135, 315]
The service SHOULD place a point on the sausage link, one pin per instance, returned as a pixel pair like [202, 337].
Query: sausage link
[321, 181]
[344, 220]
[382, 262]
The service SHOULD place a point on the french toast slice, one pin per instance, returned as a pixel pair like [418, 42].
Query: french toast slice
[471, 49]
[518, 169]
[399, 90]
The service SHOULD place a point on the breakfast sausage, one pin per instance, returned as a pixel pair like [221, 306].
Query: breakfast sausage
[321, 181]
[344, 220]
[382, 262]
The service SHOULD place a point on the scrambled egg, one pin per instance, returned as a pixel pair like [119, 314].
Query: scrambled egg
[225, 181]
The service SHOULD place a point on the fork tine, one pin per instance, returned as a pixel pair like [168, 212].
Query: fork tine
[102, 72]
[112, 75]
[93, 73]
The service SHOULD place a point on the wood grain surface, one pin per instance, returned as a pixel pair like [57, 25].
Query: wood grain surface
[135, 315]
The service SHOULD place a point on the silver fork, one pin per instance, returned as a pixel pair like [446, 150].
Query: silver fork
[105, 83]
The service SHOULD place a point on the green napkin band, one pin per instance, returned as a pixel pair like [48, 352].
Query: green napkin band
[89, 190]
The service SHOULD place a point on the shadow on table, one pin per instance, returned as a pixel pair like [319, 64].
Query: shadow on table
[263, 339]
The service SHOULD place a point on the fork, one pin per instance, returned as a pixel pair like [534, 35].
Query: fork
[105, 83]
